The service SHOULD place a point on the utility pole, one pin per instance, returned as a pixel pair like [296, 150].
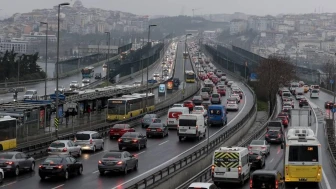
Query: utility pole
[149, 27]
[143, 41]
[108, 55]
[57, 61]
[46, 61]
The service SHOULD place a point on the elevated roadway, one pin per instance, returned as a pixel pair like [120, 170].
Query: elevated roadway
[159, 152]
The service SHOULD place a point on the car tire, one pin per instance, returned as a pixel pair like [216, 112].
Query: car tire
[79, 153]
[139, 147]
[120, 148]
[163, 135]
[102, 147]
[125, 170]
[167, 133]
[148, 136]
[101, 172]
[42, 177]
[17, 171]
[94, 149]
[66, 175]
[180, 138]
[1, 177]
[32, 167]
[135, 166]
[80, 170]
[111, 137]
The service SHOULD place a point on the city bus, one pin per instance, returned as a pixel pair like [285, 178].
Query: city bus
[129, 106]
[8, 133]
[87, 72]
[302, 157]
[190, 76]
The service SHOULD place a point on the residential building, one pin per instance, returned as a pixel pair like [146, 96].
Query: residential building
[238, 26]
[18, 46]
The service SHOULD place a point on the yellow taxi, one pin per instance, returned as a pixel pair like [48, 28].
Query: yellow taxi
[306, 88]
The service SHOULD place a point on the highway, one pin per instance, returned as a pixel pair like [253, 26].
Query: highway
[159, 152]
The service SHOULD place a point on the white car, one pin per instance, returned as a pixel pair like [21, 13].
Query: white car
[234, 85]
[200, 110]
[286, 108]
[177, 105]
[2, 175]
[74, 84]
[287, 103]
[137, 84]
[156, 76]
[236, 96]
[260, 145]
[232, 104]
[64, 147]
[203, 185]
[299, 97]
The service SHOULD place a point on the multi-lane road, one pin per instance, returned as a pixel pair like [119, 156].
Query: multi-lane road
[159, 152]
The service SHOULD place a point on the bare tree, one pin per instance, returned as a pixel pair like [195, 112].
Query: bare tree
[272, 73]
[328, 68]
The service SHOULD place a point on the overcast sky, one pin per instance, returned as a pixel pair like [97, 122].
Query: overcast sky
[177, 7]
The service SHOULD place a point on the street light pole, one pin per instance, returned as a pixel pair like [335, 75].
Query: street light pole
[149, 27]
[108, 56]
[143, 40]
[98, 48]
[57, 61]
[184, 62]
[46, 60]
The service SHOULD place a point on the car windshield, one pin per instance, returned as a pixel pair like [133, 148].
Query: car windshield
[57, 145]
[198, 108]
[215, 95]
[129, 134]
[112, 155]
[82, 136]
[197, 98]
[257, 142]
[119, 126]
[29, 92]
[53, 160]
[155, 125]
[6, 156]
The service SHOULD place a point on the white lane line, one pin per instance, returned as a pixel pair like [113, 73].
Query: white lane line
[271, 160]
[8, 184]
[174, 158]
[140, 153]
[163, 142]
[326, 180]
[58, 186]
[94, 172]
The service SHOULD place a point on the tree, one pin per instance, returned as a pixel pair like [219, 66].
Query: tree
[272, 73]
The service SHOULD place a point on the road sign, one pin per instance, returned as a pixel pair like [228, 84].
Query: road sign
[331, 81]
[56, 122]
[253, 76]
[333, 110]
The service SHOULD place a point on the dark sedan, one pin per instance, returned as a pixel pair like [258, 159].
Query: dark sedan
[15, 162]
[117, 161]
[329, 105]
[157, 129]
[132, 140]
[60, 166]
[197, 100]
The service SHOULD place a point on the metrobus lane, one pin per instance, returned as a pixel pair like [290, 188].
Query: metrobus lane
[159, 153]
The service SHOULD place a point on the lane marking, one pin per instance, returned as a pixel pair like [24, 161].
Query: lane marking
[163, 142]
[271, 160]
[326, 180]
[58, 186]
[174, 158]
[140, 153]
[8, 184]
[95, 172]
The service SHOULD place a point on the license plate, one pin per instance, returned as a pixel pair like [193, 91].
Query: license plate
[183, 130]
[49, 167]
[153, 130]
[171, 121]
[219, 173]
[272, 139]
[116, 134]
[56, 150]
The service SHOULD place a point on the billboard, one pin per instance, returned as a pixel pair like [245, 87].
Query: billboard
[170, 85]
[162, 89]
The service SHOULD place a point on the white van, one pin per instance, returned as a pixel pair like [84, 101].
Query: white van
[314, 93]
[30, 94]
[173, 116]
[230, 165]
[191, 126]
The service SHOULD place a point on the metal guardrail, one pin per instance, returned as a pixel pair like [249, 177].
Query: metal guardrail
[205, 175]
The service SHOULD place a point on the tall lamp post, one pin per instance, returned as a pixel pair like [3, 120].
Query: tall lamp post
[46, 60]
[108, 55]
[184, 62]
[98, 48]
[57, 60]
[149, 28]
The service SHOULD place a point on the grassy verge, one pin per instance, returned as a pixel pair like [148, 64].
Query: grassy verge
[262, 105]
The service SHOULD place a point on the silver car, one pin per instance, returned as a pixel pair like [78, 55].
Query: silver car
[260, 145]
[89, 140]
[205, 95]
[64, 147]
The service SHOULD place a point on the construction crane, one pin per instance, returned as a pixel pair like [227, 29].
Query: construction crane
[193, 10]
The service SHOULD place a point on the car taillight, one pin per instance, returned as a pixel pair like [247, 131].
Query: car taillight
[263, 148]
[239, 170]
[60, 166]
[279, 136]
[119, 162]
[276, 184]
[147, 129]
[251, 183]
[119, 140]
[267, 135]
[49, 150]
[9, 163]
[40, 166]
[135, 140]
[91, 141]
[64, 150]
[159, 130]
[99, 162]
[250, 147]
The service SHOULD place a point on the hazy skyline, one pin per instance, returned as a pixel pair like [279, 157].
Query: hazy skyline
[178, 7]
